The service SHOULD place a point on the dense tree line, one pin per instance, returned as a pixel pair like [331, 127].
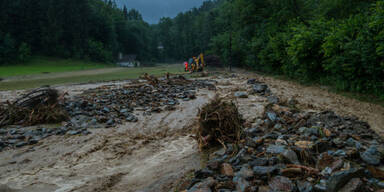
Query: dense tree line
[334, 42]
[84, 29]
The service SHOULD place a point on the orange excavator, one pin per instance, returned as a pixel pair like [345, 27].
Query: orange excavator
[195, 64]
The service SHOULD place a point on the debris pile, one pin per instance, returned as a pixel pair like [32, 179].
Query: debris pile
[102, 107]
[291, 150]
[111, 105]
[36, 107]
[219, 122]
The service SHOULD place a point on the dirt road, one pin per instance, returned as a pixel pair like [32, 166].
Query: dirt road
[64, 74]
[152, 154]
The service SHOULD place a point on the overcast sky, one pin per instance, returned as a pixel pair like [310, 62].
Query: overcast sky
[153, 10]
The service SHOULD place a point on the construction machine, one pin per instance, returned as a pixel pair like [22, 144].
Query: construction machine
[195, 64]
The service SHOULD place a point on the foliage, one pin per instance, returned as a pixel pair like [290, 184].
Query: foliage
[304, 51]
[336, 42]
[82, 29]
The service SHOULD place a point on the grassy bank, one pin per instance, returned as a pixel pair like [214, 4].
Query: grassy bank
[38, 65]
[120, 74]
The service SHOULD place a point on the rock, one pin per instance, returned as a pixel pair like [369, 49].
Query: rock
[340, 153]
[110, 122]
[286, 153]
[340, 178]
[264, 170]
[371, 156]
[203, 173]
[290, 156]
[336, 165]
[322, 146]
[304, 144]
[85, 132]
[353, 143]
[259, 88]
[291, 172]
[93, 122]
[338, 141]
[326, 171]
[276, 149]
[281, 142]
[252, 81]
[214, 164]
[354, 185]
[273, 99]
[106, 110]
[21, 144]
[226, 169]
[171, 102]
[241, 184]
[131, 118]
[271, 135]
[33, 141]
[278, 126]
[254, 142]
[272, 116]
[321, 186]
[241, 94]
[75, 132]
[292, 102]
[204, 186]
[281, 184]
[304, 186]
[252, 132]
[259, 162]
[245, 172]
[310, 131]
[380, 184]
[13, 141]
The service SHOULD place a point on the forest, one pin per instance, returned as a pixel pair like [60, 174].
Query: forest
[332, 42]
[83, 29]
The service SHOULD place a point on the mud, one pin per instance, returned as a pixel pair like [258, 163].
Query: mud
[152, 154]
[146, 155]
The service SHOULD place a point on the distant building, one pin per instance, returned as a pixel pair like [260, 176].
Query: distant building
[128, 61]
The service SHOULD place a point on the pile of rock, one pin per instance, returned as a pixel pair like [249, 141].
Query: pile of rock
[110, 106]
[291, 150]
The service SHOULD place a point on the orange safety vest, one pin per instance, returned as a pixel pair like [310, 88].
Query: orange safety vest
[186, 66]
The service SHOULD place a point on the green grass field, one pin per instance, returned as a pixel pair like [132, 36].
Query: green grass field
[39, 65]
[123, 74]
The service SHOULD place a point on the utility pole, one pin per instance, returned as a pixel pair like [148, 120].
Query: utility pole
[230, 36]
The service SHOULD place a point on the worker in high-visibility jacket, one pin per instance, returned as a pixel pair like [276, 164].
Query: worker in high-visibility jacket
[186, 66]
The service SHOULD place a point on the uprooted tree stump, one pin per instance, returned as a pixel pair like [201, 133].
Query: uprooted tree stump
[36, 107]
[219, 123]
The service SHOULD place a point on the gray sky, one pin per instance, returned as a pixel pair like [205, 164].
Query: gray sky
[153, 10]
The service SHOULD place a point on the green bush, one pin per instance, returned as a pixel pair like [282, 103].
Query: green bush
[351, 59]
[274, 55]
[304, 50]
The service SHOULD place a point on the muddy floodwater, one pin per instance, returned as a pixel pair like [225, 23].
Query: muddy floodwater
[153, 153]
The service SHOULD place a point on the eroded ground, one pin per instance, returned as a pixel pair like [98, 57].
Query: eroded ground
[152, 154]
